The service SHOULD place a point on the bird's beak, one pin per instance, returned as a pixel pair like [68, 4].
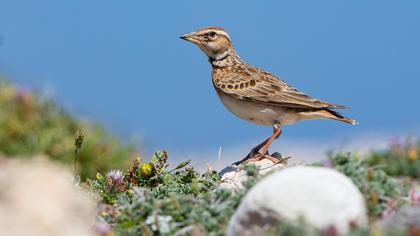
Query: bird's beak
[192, 37]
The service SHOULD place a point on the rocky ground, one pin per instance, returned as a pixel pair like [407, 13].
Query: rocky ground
[344, 196]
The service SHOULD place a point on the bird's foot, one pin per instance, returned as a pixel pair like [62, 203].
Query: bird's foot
[276, 158]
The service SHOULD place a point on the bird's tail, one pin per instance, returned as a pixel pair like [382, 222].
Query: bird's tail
[325, 113]
[337, 116]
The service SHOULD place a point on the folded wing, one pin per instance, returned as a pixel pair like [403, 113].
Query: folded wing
[269, 89]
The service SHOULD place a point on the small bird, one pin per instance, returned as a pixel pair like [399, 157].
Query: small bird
[256, 95]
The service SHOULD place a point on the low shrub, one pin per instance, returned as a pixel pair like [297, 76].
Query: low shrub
[400, 159]
[31, 126]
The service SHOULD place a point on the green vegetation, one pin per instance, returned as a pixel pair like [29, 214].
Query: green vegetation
[31, 126]
[149, 199]
[401, 159]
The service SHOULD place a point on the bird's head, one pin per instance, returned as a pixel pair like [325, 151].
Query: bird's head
[213, 41]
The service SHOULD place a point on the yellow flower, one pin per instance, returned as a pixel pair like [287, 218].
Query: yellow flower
[412, 154]
[146, 170]
[130, 191]
[7, 93]
[99, 176]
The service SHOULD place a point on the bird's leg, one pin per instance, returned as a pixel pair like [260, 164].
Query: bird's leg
[264, 150]
[256, 149]
[254, 154]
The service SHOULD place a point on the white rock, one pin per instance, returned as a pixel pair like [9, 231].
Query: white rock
[233, 176]
[39, 198]
[321, 196]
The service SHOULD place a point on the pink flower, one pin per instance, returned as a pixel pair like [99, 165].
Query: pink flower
[116, 180]
[391, 209]
[414, 196]
[24, 96]
[388, 213]
[330, 231]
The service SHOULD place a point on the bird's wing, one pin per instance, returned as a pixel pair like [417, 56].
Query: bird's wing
[262, 87]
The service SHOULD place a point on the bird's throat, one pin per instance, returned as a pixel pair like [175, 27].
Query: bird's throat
[225, 59]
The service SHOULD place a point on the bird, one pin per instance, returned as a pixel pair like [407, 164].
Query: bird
[256, 95]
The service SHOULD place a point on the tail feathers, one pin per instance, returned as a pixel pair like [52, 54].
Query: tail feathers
[327, 114]
[337, 116]
[336, 106]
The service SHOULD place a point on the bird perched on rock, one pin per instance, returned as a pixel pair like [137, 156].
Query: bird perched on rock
[256, 95]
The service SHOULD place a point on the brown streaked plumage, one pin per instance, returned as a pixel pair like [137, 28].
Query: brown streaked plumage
[254, 94]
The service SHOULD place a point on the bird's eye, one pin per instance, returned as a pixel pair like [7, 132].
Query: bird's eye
[210, 35]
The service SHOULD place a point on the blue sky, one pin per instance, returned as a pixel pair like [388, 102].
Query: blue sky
[122, 63]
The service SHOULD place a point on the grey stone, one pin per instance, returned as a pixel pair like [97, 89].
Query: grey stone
[407, 217]
[322, 197]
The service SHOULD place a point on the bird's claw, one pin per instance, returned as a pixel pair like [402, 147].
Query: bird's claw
[276, 158]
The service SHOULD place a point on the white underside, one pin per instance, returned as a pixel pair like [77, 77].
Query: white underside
[260, 114]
